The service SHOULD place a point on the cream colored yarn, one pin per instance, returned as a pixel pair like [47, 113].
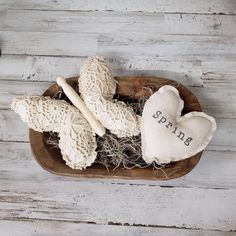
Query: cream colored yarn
[96, 79]
[77, 139]
[97, 87]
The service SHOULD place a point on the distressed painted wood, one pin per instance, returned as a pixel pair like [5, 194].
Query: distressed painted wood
[11, 67]
[207, 72]
[41, 43]
[216, 170]
[218, 72]
[165, 45]
[80, 201]
[107, 22]
[12, 128]
[41, 68]
[220, 102]
[182, 6]
[120, 43]
[61, 228]
[214, 101]
[7, 92]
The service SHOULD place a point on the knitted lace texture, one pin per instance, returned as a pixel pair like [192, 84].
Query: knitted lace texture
[77, 140]
[97, 87]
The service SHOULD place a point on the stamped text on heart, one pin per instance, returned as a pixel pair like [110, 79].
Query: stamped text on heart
[162, 120]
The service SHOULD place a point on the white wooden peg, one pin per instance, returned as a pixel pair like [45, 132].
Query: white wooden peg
[78, 102]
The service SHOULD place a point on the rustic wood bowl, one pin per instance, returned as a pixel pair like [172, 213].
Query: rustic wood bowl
[50, 159]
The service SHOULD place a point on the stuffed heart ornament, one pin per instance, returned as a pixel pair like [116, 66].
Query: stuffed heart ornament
[166, 135]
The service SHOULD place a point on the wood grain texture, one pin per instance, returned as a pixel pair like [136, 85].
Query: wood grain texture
[120, 43]
[165, 45]
[218, 72]
[207, 72]
[67, 199]
[41, 43]
[41, 68]
[182, 6]
[190, 55]
[7, 93]
[62, 228]
[107, 22]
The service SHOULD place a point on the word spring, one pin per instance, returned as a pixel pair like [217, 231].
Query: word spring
[162, 120]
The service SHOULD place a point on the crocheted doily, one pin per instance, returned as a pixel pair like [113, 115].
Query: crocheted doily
[96, 79]
[77, 139]
[97, 87]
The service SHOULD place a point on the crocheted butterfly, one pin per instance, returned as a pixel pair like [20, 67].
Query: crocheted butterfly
[77, 142]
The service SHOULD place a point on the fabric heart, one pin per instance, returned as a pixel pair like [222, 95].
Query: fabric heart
[166, 135]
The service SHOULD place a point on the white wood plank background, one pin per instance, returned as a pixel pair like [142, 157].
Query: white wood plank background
[193, 42]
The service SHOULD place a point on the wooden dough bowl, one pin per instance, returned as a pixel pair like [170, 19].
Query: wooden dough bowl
[50, 158]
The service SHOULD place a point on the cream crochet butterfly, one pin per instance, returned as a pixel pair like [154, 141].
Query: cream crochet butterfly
[77, 134]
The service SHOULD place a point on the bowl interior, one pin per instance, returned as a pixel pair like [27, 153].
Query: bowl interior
[50, 158]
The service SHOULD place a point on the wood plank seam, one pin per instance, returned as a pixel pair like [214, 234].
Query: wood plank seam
[112, 223]
[137, 11]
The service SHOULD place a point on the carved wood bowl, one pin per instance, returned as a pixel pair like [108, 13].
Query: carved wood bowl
[50, 158]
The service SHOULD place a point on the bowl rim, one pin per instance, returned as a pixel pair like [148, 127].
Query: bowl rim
[52, 161]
